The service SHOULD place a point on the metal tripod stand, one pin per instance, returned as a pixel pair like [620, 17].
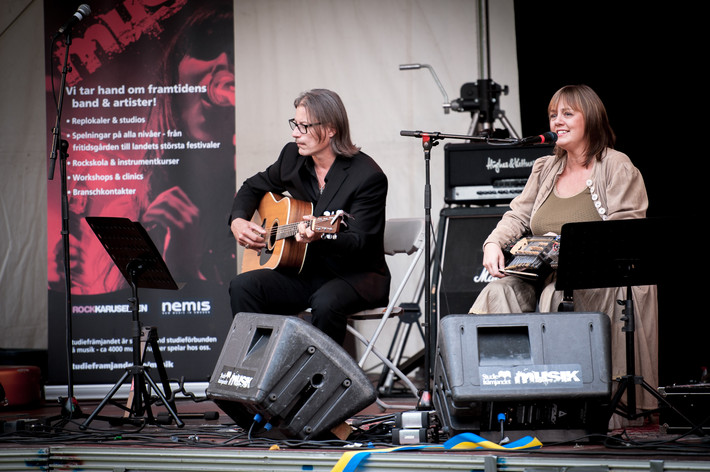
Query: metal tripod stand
[481, 98]
[616, 253]
[141, 264]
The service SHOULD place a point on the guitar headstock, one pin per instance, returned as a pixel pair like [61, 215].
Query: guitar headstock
[329, 223]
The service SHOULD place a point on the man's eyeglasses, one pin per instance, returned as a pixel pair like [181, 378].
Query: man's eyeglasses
[302, 127]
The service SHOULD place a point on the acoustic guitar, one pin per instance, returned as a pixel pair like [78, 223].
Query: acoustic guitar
[280, 216]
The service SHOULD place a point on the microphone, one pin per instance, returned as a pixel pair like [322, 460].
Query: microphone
[82, 12]
[548, 137]
[413, 134]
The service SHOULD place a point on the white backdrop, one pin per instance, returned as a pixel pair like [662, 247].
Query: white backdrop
[282, 48]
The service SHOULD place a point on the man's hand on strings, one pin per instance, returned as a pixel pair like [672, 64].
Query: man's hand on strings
[248, 234]
[305, 233]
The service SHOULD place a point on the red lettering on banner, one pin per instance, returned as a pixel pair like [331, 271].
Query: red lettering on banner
[112, 32]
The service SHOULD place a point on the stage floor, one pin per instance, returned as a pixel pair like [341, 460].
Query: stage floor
[42, 437]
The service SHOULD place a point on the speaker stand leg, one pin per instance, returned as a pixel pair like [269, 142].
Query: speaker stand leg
[141, 400]
[628, 384]
[149, 335]
[406, 322]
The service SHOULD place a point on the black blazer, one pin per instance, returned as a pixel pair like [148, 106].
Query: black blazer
[355, 185]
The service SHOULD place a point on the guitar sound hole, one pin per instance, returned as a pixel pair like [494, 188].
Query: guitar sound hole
[268, 251]
[273, 230]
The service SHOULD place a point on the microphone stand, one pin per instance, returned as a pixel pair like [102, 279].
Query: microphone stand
[56, 130]
[429, 140]
[70, 406]
[437, 135]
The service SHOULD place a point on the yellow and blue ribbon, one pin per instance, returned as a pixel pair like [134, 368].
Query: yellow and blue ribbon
[351, 460]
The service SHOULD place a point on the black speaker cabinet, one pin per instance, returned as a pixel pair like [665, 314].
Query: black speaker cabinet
[459, 257]
[530, 372]
[691, 401]
[293, 378]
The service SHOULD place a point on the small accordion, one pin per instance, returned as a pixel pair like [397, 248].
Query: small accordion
[533, 256]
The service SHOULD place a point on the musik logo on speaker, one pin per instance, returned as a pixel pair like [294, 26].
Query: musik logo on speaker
[533, 375]
[230, 377]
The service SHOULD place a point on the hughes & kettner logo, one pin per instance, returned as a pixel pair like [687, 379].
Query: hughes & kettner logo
[186, 307]
[229, 377]
[537, 376]
[513, 163]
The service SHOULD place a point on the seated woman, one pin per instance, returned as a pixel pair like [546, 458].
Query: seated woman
[585, 180]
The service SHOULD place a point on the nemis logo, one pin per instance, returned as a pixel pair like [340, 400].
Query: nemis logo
[186, 307]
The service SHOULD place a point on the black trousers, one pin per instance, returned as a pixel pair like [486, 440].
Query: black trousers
[267, 291]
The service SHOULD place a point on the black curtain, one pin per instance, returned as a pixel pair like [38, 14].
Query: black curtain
[642, 60]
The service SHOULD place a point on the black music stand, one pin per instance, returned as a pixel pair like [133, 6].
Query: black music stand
[141, 264]
[619, 253]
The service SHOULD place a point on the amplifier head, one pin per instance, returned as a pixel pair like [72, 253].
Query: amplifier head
[484, 173]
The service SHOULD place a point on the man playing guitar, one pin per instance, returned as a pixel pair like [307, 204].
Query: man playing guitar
[323, 170]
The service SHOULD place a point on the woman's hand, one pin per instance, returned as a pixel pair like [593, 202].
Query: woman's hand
[493, 259]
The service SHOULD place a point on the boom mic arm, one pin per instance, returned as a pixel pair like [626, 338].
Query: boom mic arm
[447, 103]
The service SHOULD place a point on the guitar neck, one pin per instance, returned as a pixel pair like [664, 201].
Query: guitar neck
[286, 231]
[319, 225]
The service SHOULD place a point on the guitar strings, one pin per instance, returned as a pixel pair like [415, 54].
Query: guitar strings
[288, 226]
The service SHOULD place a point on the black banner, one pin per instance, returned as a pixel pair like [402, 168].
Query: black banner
[148, 122]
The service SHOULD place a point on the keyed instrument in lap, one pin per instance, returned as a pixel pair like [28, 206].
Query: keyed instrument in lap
[532, 257]
[280, 216]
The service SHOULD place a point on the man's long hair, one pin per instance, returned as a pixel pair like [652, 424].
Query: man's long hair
[325, 107]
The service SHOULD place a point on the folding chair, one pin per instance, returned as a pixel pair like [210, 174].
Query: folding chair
[402, 236]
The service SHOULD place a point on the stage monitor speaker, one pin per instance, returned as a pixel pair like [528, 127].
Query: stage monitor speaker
[542, 371]
[460, 275]
[280, 377]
